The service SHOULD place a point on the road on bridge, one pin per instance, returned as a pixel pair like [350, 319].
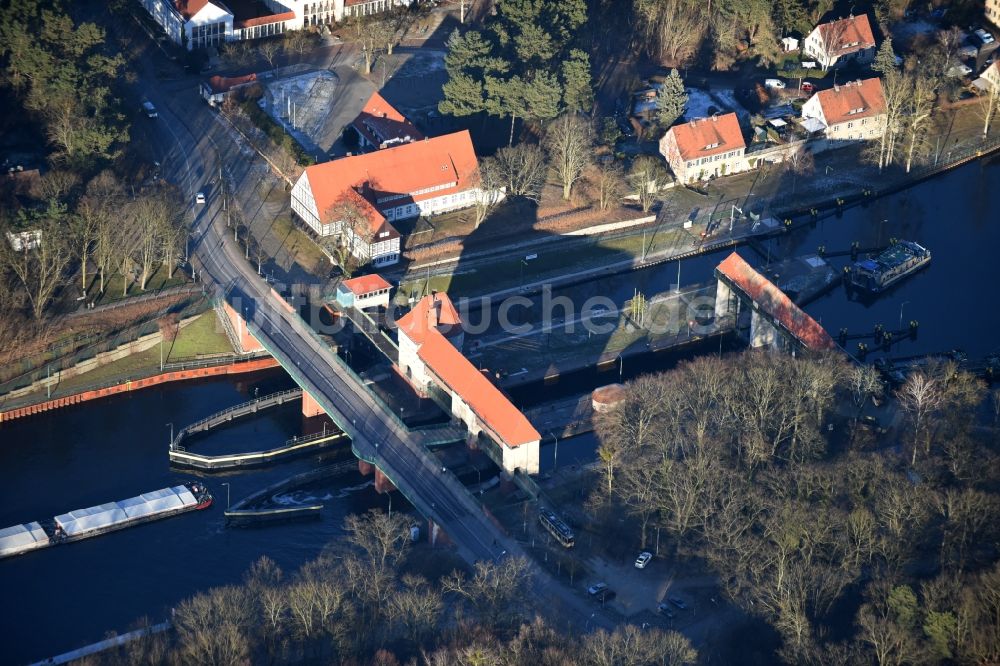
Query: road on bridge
[193, 142]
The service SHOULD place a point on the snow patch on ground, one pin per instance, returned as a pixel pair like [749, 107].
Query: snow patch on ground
[308, 97]
[724, 101]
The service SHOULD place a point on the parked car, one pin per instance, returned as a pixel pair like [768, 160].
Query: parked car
[597, 588]
[983, 36]
[968, 52]
[677, 601]
[808, 88]
[199, 198]
[643, 560]
[605, 595]
[665, 611]
[777, 84]
[149, 109]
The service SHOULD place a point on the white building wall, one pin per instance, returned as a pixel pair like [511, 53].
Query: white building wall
[442, 204]
[212, 26]
[164, 13]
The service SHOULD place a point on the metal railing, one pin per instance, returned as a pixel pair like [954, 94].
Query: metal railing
[226, 415]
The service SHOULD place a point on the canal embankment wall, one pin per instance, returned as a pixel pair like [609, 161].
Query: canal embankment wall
[135, 384]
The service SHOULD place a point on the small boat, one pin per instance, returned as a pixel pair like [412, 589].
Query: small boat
[96, 520]
[889, 267]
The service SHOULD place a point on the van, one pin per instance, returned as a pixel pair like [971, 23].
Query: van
[149, 109]
[777, 84]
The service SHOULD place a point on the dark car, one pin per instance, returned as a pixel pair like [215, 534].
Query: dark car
[665, 611]
[605, 595]
[677, 601]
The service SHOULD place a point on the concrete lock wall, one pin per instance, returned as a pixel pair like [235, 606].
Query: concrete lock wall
[116, 354]
[723, 299]
[134, 385]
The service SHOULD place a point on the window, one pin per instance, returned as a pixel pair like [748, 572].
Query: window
[383, 234]
[850, 125]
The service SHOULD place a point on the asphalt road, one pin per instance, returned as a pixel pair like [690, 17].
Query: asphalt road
[192, 143]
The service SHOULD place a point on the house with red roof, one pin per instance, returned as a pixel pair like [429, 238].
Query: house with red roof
[366, 291]
[705, 148]
[380, 125]
[217, 88]
[430, 342]
[423, 177]
[844, 40]
[848, 112]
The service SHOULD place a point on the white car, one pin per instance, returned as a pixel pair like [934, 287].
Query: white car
[777, 84]
[643, 560]
[199, 198]
[984, 37]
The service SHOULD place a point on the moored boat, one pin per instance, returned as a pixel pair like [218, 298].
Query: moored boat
[96, 520]
[890, 266]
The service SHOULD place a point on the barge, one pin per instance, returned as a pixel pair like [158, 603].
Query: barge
[889, 267]
[96, 520]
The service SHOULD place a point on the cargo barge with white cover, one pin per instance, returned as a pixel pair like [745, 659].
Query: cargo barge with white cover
[96, 520]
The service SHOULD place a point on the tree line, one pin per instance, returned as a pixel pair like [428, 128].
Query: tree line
[95, 231]
[737, 461]
[65, 75]
[359, 603]
[526, 62]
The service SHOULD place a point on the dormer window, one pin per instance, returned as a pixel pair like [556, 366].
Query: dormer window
[854, 111]
[711, 145]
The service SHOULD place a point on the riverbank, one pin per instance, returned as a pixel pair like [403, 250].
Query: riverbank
[140, 382]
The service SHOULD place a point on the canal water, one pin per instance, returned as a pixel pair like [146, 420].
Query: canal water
[67, 596]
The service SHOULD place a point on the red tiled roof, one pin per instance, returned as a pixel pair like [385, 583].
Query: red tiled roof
[221, 84]
[491, 406]
[723, 133]
[839, 101]
[775, 303]
[376, 220]
[189, 8]
[847, 31]
[447, 162]
[366, 284]
[430, 312]
[264, 20]
[379, 121]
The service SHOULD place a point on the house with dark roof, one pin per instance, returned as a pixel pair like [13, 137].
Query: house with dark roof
[380, 125]
[852, 111]
[402, 181]
[838, 42]
[430, 342]
[705, 148]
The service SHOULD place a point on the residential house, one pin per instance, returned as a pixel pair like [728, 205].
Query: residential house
[848, 112]
[380, 125]
[992, 12]
[367, 291]
[705, 148]
[402, 181]
[430, 341]
[838, 42]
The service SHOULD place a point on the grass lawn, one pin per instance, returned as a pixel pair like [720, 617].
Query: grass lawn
[300, 246]
[202, 336]
[113, 285]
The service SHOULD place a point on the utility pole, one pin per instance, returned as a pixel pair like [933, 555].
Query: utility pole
[555, 460]
[171, 426]
[227, 495]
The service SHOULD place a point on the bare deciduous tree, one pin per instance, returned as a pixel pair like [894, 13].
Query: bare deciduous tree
[569, 144]
[522, 168]
[919, 397]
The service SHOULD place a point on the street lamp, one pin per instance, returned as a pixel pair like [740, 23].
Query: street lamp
[621, 366]
[903, 305]
[555, 459]
[171, 426]
[226, 484]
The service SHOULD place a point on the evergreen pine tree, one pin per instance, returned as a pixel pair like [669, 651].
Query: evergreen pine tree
[885, 59]
[671, 99]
